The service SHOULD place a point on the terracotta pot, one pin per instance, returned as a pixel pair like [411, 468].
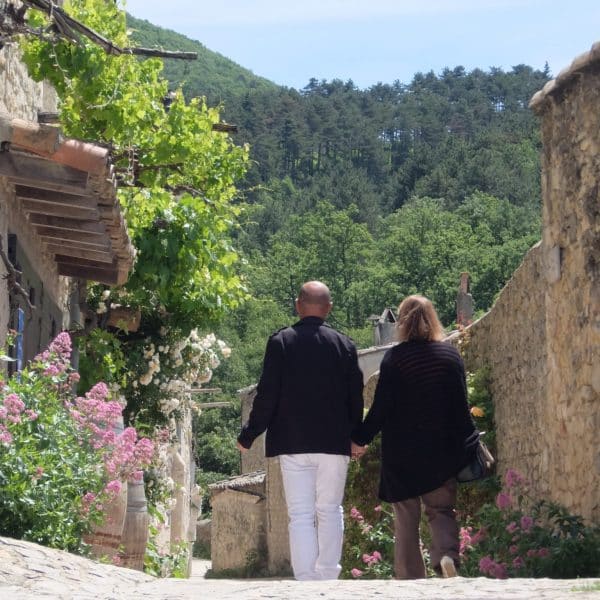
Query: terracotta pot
[106, 537]
[135, 530]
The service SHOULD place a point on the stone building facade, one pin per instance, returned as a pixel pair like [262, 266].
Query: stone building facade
[23, 98]
[542, 337]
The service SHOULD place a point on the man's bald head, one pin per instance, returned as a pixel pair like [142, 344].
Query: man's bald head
[314, 300]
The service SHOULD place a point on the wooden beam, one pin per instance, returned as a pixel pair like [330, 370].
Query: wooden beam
[65, 223]
[107, 276]
[40, 173]
[32, 193]
[85, 262]
[93, 239]
[102, 275]
[59, 210]
[79, 245]
[85, 253]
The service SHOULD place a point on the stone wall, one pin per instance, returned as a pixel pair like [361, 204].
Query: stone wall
[510, 339]
[541, 339]
[239, 518]
[21, 97]
[571, 240]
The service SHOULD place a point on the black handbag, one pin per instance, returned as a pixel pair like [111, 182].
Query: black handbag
[482, 462]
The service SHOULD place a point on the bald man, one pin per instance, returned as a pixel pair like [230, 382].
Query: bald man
[309, 399]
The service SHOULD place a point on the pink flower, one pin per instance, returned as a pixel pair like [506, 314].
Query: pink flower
[355, 514]
[518, 562]
[356, 573]
[376, 556]
[503, 501]
[137, 476]
[500, 571]
[13, 404]
[485, 564]
[113, 487]
[31, 414]
[3, 412]
[61, 345]
[513, 478]
[478, 536]
[88, 498]
[74, 378]
[5, 435]
[39, 471]
[378, 508]
[543, 552]
[512, 527]
[51, 371]
[513, 549]
[531, 553]
[526, 523]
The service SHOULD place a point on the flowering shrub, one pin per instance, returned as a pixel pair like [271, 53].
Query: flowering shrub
[517, 537]
[374, 556]
[60, 459]
[157, 371]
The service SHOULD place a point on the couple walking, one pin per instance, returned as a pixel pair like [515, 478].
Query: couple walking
[309, 400]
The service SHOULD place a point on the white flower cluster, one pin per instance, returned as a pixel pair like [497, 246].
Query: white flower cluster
[183, 363]
[153, 365]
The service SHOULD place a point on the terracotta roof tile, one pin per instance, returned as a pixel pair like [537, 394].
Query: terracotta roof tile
[68, 189]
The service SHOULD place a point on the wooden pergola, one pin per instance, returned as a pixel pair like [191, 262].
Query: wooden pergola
[67, 188]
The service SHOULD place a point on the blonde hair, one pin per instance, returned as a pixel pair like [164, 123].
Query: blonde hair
[418, 320]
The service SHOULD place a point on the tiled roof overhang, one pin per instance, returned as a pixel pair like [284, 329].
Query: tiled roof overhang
[68, 191]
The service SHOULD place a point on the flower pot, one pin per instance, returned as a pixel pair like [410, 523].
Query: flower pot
[135, 530]
[106, 537]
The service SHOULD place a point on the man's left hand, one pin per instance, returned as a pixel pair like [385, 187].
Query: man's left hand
[241, 448]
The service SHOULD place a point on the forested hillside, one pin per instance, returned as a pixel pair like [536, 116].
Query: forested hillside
[380, 193]
[212, 75]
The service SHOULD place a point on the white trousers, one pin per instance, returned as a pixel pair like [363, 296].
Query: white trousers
[314, 490]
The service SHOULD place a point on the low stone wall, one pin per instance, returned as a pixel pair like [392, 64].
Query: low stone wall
[510, 340]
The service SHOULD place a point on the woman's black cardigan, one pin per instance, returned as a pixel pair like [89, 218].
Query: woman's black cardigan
[421, 409]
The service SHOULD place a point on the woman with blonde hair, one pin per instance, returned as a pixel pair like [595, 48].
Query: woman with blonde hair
[421, 409]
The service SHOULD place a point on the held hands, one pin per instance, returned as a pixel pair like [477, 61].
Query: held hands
[357, 451]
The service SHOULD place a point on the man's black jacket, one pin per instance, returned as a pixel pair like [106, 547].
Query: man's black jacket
[309, 397]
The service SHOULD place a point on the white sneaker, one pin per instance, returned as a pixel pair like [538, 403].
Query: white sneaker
[448, 567]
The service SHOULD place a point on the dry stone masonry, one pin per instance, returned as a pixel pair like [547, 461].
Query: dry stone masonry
[542, 337]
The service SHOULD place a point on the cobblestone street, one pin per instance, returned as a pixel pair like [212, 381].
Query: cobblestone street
[28, 571]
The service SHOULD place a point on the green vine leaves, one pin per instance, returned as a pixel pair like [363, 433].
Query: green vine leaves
[177, 177]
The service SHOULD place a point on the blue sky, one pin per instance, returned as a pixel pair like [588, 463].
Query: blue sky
[372, 41]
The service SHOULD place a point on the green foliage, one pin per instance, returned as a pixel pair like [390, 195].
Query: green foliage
[519, 537]
[101, 358]
[180, 174]
[472, 496]
[212, 75]
[170, 564]
[216, 433]
[326, 244]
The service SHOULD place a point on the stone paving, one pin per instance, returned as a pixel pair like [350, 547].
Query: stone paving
[28, 571]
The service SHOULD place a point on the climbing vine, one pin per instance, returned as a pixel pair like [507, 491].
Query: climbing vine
[177, 184]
